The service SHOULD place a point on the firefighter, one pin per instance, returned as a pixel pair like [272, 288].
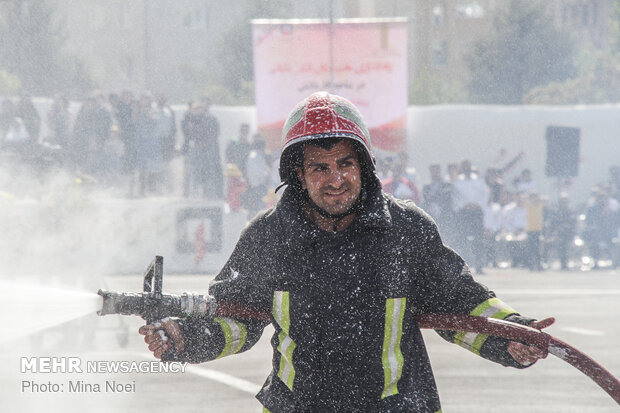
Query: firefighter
[343, 269]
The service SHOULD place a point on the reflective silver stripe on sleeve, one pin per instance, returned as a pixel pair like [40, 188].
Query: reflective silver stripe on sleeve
[235, 335]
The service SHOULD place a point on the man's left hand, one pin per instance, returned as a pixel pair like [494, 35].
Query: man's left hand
[528, 355]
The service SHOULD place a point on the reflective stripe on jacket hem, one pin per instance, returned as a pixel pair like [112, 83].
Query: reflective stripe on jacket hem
[286, 345]
[392, 357]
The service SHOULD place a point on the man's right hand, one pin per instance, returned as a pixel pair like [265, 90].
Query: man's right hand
[161, 335]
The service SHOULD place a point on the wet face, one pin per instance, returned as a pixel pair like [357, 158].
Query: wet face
[332, 177]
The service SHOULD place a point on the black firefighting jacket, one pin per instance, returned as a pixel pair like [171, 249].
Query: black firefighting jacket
[343, 306]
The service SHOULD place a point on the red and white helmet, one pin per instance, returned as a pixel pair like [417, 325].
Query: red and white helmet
[320, 116]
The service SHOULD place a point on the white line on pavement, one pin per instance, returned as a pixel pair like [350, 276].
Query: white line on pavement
[583, 331]
[218, 376]
[227, 379]
[561, 292]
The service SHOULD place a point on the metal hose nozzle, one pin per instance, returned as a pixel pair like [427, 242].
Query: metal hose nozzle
[150, 307]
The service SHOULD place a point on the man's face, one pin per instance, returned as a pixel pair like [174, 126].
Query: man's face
[332, 177]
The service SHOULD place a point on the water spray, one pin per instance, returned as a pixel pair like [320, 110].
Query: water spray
[24, 301]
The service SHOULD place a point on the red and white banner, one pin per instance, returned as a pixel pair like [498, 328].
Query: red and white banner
[364, 61]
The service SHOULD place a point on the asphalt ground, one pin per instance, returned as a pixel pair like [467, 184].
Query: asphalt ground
[585, 304]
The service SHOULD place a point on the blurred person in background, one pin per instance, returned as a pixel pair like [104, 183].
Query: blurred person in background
[90, 133]
[16, 137]
[7, 114]
[402, 159]
[524, 182]
[149, 151]
[32, 120]
[614, 182]
[166, 132]
[114, 151]
[453, 172]
[238, 149]
[534, 210]
[494, 176]
[59, 122]
[257, 169]
[272, 197]
[514, 220]
[215, 186]
[384, 167]
[492, 227]
[471, 196]
[201, 149]
[83, 135]
[437, 201]
[122, 109]
[601, 226]
[235, 187]
[495, 182]
[561, 228]
[400, 184]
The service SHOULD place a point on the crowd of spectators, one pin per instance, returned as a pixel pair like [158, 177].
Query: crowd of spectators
[493, 223]
[20, 124]
[127, 142]
[114, 141]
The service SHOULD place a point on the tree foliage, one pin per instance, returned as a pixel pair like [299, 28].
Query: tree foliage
[614, 29]
[597, 84]
[599, 75]
[428, 88]
[9, 84]
[235, 57]
[233, 82]
[525, 51]
[31, 49]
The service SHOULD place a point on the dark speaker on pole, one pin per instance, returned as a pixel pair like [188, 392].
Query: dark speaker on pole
[562, 151]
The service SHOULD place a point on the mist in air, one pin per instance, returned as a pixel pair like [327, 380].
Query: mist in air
[130, 129]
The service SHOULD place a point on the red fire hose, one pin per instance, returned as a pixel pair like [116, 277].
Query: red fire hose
[526, 335]
[492, 327]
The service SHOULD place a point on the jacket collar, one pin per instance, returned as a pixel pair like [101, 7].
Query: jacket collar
[375, 214]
